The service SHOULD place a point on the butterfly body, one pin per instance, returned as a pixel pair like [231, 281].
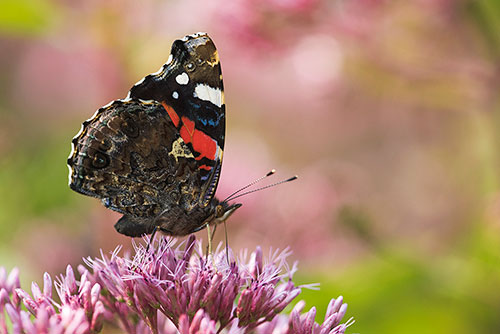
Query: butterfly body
[156, 155]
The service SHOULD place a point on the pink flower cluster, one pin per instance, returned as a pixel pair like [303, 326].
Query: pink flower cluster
[79, 312]
[165, 288]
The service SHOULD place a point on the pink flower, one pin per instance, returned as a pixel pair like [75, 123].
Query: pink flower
[166, 289]
[11, 281]
[305, 323]
[80, 310]
[201, 323]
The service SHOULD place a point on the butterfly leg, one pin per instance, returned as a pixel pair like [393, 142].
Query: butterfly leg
[152, 237]
[210, 235]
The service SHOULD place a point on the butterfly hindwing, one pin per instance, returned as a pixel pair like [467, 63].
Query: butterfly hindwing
[131, 156]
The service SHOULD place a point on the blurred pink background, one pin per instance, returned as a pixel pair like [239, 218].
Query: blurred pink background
[387, 111]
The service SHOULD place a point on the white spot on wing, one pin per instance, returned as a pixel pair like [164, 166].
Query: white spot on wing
[207, 93]
[182, 79]
[175, 95]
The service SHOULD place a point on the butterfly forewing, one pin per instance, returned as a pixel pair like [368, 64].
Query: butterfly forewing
[190, 88]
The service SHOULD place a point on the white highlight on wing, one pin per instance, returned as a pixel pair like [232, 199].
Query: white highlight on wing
[182, 79]
[148, 101]
[140, 82]
[207, 93]
[70, 173]
[195, 35]
[157, 72]
[73, 148]
[175, 95]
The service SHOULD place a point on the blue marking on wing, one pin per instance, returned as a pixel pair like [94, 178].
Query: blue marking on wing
[210, 121]
[194, 105]
[214, 122]
[208, 116]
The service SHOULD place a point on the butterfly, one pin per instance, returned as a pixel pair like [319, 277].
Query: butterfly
[156, 155]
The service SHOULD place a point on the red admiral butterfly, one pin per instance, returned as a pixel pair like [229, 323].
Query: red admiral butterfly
[156, 155]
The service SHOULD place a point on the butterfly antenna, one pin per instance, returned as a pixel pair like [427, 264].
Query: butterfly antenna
[265, 187]
[271, 172]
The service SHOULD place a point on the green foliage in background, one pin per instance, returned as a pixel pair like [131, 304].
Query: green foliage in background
[26, 17]
[398, 292]
[33, 182]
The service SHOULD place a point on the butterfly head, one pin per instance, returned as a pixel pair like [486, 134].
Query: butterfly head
[223, 210]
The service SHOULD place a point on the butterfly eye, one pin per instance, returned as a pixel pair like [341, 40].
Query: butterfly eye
[190, 67]
[219, 211]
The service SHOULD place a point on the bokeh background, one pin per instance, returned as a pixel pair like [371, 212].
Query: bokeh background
[388, 111]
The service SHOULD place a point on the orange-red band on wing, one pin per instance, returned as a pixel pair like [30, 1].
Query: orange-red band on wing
[189, 124]
[171, 112]
[205, 167]
[202, 143]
